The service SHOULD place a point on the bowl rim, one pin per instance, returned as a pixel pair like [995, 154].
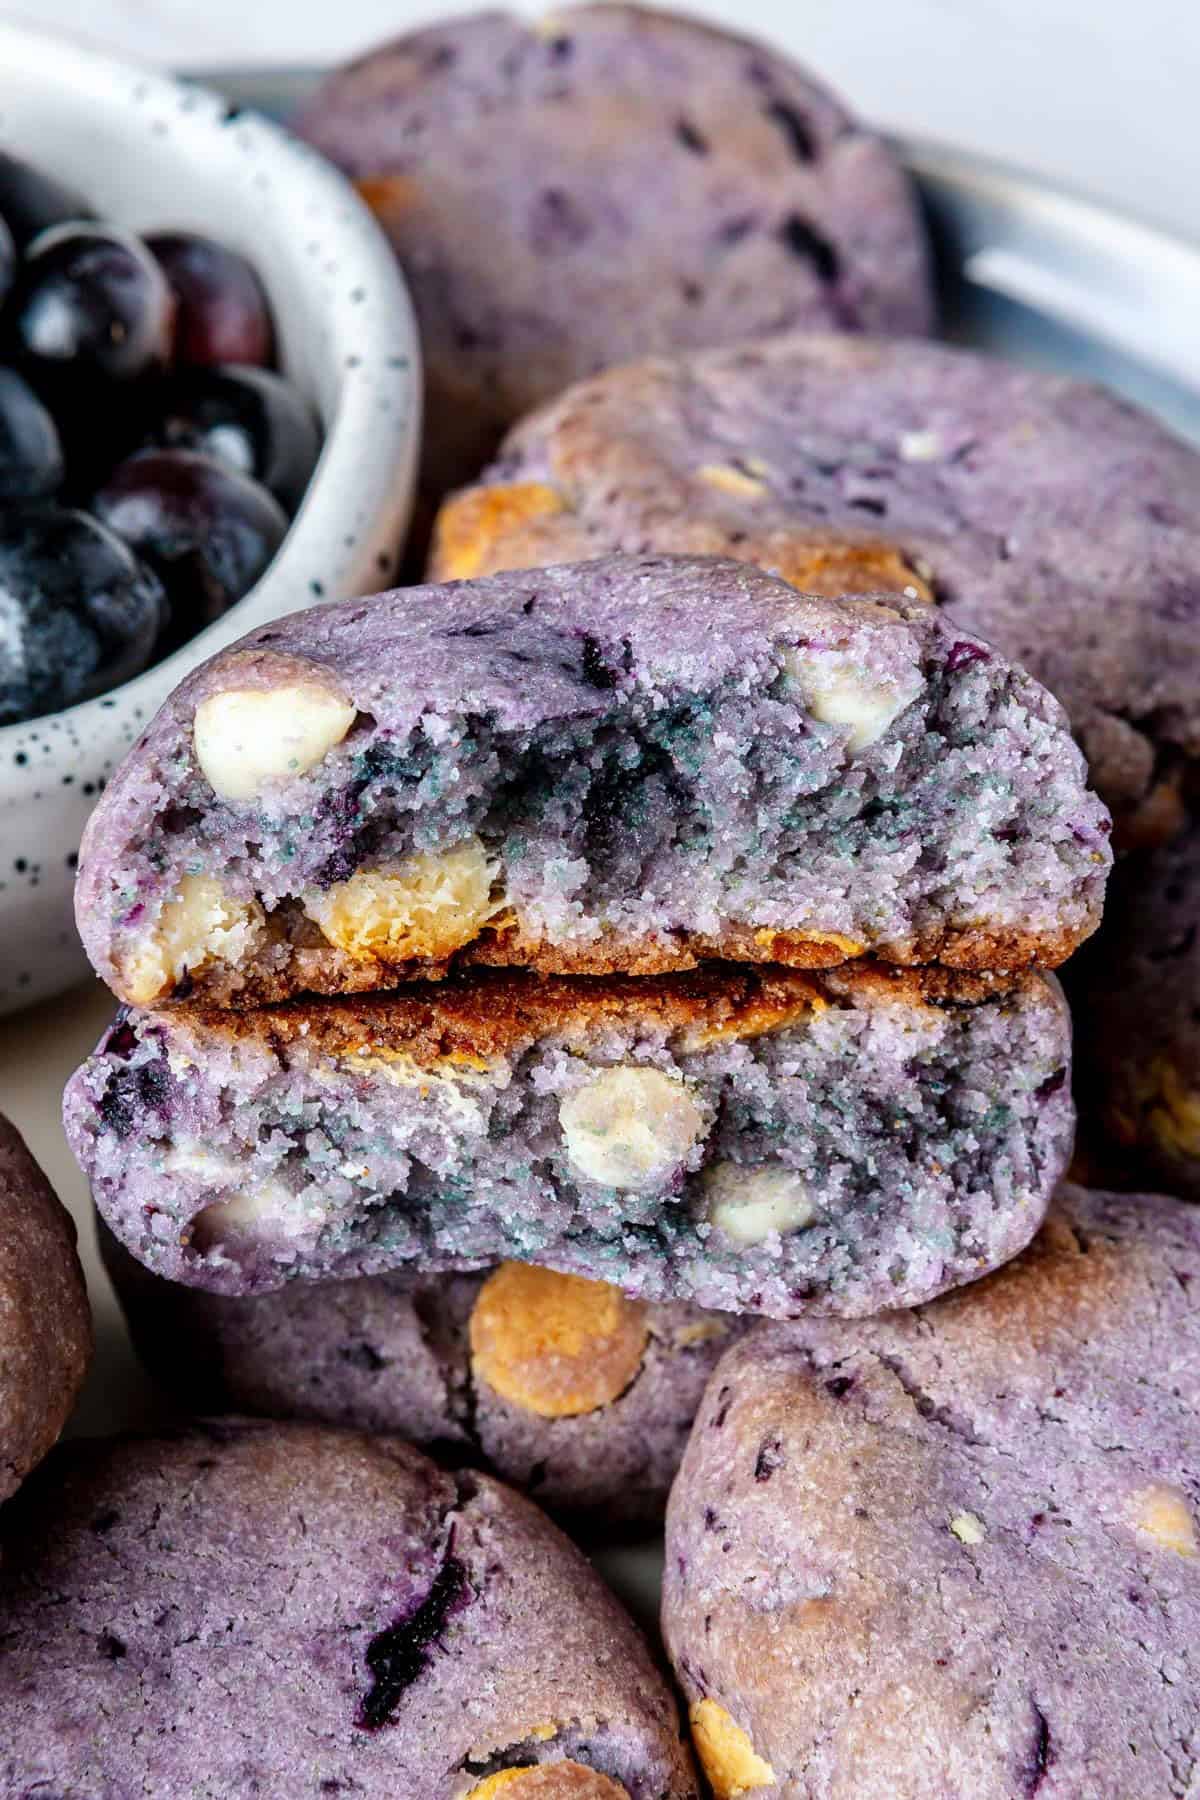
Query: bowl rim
[365, 265]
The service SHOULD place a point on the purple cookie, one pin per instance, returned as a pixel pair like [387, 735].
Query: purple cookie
[603, 184]
[1138, 1001]
[953, 1552]
[1052, 518]
[626, 764]
[243, 1609]
[45, 1323]
[749, 1140]
[562, 1386]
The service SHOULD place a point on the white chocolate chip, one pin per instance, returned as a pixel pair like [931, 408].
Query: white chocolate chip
[837, 690]
[200, 923]
[430, 906]
[750, 1204]
[247, 737]
[744, 482]
[630, 1127]
[1161, 1513]
[968, 1528]
[921, 446]
[244, 1211]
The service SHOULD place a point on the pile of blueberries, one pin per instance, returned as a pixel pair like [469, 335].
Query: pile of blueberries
[150, 457]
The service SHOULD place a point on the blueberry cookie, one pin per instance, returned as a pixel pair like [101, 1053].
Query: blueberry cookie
[560, 1385]
[604, 184]
[241, 1608]
[45, 1323]
[1055, 520]
[953, 1552]
[627, 764]
[769, 1141]
[1138, 1002]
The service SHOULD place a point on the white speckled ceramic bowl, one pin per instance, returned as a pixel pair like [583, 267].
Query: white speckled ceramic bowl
[148, 151]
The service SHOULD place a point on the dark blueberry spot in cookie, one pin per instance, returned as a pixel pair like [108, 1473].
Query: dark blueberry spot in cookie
[690, 138]
[477, 630]
[1183, 1277]
[184, 987]
[104, 1521]
[443, 56]
[121, 1041]
[868, 504]
[692, 292]
[627, 656]
[840, 1386]
[801, 239]
[527, 606]
[556, 222]
[770, 1457]
[724, 1402]
[963, 654]
[1042, 1753]
[111, 1648]
[363, 1356]
[711, 1521]
[596, 671]
[734, 230]
[559, 49]
[1052, 1084]
[397, 1656]
[794, 128]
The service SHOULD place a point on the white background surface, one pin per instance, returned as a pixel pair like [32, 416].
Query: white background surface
[1103, 94]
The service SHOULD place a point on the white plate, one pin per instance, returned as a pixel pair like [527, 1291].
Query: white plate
[1026, 270]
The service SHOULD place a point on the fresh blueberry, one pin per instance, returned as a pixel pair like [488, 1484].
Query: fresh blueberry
[31, 458]
[31, 202]
[208, 531]
[250, 419]
[223, 313]
[91, 301]
[78, 612]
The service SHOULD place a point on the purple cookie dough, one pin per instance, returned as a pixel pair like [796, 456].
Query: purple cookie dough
[1138, 1001]
[626, 764]
[392, 1353]
[569, 194]
[45, 1323]
[775, 1142]
[1052, 518]
[953, 1552]
[241, 1609]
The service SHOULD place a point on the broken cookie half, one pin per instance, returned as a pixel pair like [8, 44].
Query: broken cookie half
[629, 764]
[772, 1141]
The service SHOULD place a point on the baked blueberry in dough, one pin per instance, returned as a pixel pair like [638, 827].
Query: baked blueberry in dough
[954, 1551]
[1138, 1003]
[626, 764]
[45, 1323]
[753, 1140]
[1057, 521]
[560, 1385]
[605, 183]
[241, 1608]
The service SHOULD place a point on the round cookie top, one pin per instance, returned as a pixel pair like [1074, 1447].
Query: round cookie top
[1051, 517]
[1137, 995]
[966, 1534]
[603, 184]
[282, 1609]
[45, 1323]
[561, 1385]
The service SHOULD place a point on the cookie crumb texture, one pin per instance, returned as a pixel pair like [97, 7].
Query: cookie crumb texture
[45, 1322]
[238, 1609]
[1047, 515]
[622, 182]
[625, 765]
[953, 1551]
[857, 1138]
[393, 1353]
